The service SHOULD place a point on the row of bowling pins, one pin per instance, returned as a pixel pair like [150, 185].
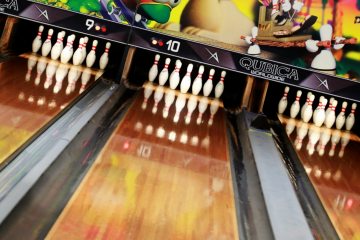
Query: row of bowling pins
[180, 103]
[58, 50]
[58, 70]
[172, 136]
[186, 83]
[319, 136]
[320, 116]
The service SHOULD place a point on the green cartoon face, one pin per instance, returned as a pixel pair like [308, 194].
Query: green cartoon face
[157, 10]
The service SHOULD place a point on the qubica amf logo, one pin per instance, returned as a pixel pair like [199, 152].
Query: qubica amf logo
[268, 70]
[9, 4]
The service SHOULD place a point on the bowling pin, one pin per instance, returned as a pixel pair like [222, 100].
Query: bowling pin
[319, 116]
[186, 80]
[36, 44]
[324, 139]
[153, 72]
[73, 76]
[179, 105]
[46, 47]
[60, 75]
[330, 106]
[30, 65]
[58, 46]
[335, 138]
[50, 72]
[350, 120]
[91, 57]
[254, 48]
[104, 59]
[325, 60]
[85, 77]
[164, 74]
[40, 68]
[308, 111]
[78, 55]
[203, 104]
[174, 78]
[340, 119]
[68, 50]
[208, 86]
[330, 117]
[214, 107]
[86, 40]
[169, 99]
[345, 139]
[305, 104]
[148, 89]
[219, 88]
[197, 84]
[283, 101]
[191, 106]
[295, 107]
[158, 95]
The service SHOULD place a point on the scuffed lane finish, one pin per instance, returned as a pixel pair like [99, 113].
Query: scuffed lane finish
[25, 105]
[335, 175]
[144, 186]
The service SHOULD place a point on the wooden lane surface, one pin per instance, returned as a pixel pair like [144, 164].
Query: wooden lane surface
[147, 187]
[335, 178]
[26, 107]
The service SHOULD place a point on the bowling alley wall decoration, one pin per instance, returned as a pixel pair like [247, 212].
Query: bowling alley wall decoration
[182, 97]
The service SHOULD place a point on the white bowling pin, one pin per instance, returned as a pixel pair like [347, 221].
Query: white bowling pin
[302, 131]
[308, 112]
[86, 40]
[85, 77]
[335, 138]
[153, 72]
[174, 78]
[305, 104]
[60, 75]
[36, 44]
[324, 139]
[203, 104]
[329, 107]
[164, 74]
[158, 95]
[179, 105]
[91, 57]
[50, 72]
[214, 107]
[254, 48]
[78, 55]
[186, 80]
[73, 76]
[148, 89]
[325, 60]
[340, 119]
[169, 100]
[58, 46]
[319, 118]
[208, 86]
[283, 101]
[295, 107]
[68, 50]
[197, 84]
[30, 65]
[219, 88]
[330, 117]
[46, 47]
[350, 120]
[40, 68]
[345, 139]
[191, 106]
[104, 59]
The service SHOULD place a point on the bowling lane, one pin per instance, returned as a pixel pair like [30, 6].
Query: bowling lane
[155, 179]
[334, 172]
[27, 98]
